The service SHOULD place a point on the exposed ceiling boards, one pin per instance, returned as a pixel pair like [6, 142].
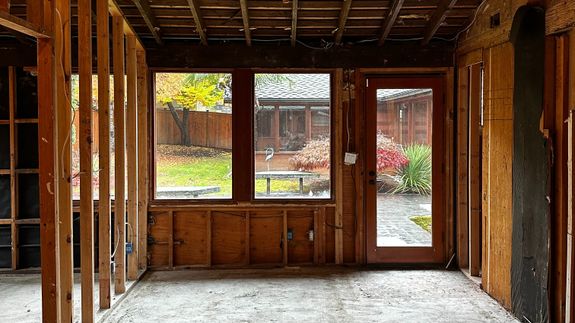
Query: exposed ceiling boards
[316, 21]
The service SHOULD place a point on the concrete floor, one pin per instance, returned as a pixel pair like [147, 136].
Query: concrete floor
[21, 302]
[308, 295]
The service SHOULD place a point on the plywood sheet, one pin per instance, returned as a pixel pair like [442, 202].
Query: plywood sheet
[266, 237]
[228, 237]
[300, 248]
[190, 236]
[159, 232]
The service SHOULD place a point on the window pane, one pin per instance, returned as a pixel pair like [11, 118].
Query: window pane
[404, 167]
[292, 136]
[193, 135]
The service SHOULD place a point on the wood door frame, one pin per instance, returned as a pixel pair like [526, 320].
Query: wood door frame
[408, 255]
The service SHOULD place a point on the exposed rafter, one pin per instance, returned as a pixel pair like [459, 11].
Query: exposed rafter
[294, 22]
[437, 19]
[343, 14]
[195, 8]
[144, 9]
[246, 19]
[390, 20]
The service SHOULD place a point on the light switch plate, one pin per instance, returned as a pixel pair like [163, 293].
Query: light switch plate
[350, 158]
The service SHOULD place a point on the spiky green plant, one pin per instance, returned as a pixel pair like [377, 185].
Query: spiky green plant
[416, 175]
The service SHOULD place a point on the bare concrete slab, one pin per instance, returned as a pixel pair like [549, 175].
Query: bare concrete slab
[308, 295]
[21, 302]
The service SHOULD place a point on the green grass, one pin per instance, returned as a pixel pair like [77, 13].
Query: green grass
[211, 171]
[424, 221]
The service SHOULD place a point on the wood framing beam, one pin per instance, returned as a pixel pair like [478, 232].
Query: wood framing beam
[116, 11]
[48, 166]
[218, 56]
[390, 21]
[149, 18]
[64, 119]
[104, 206]
[437, 19]
[119, 155]
[86, 165]
[195, 8]
[474, 170]
[132, 154]
[294, 10]
[22, 26]
[338, 163]
[343, 14]
[246, 20]
[142, 159]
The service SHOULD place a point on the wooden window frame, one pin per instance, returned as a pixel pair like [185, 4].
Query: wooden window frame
[243, 147]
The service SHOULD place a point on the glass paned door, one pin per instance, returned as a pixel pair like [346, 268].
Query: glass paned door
[404, 182]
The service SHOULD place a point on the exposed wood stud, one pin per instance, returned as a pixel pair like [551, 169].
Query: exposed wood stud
[104, 206]
[437, 19]
[117, 11]
[86, 164]
[209, 238]
[119, 155]
[142, 158]
[474, 171]
[64, 118]
[390, 21]
[132, 153]
[171, 239]
[149, 18]
[285, 242]
[343, 14]
[246, 21]
[338, 155]
[247, 238]
[195, 8]
[13, 177]
[294, 11]
[48, 161]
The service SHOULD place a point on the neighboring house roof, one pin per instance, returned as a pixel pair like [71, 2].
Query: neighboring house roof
[316, 87]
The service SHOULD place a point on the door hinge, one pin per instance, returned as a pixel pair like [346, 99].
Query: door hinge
[367, 83]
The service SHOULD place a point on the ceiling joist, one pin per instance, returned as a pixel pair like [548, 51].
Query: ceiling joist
[195, 8]
[390, 21]
[146, 12]
[344, 13]
[294, 9]
[437, 19]
[246, 20]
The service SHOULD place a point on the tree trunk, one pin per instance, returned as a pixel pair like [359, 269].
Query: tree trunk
[182, 124]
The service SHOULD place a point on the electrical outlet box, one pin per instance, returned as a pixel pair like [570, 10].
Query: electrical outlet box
[350, 158]
[290, 234]
[129, 248]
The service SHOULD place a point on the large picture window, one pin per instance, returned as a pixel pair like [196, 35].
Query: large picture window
[193, 131]
[292, 136]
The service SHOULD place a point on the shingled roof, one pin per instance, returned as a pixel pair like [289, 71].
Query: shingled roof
[316, 87]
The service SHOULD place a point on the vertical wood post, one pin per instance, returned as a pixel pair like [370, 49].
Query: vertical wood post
[85, 138]
[64, 117]
[474, 170]
[48, 161]
[132, 153]
[143, 180]
[104, 212]
[119, 156]
[338, 163]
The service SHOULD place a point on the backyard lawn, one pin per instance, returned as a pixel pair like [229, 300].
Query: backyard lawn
[197, 166]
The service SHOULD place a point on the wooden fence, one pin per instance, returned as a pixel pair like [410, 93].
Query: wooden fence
[206, 129]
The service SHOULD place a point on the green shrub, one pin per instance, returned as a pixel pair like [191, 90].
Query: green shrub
[415, 177]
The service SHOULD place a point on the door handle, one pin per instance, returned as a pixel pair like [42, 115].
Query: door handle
[371, 182]
[371, 173]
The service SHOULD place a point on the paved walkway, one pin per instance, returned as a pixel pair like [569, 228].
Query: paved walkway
[394, 228]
